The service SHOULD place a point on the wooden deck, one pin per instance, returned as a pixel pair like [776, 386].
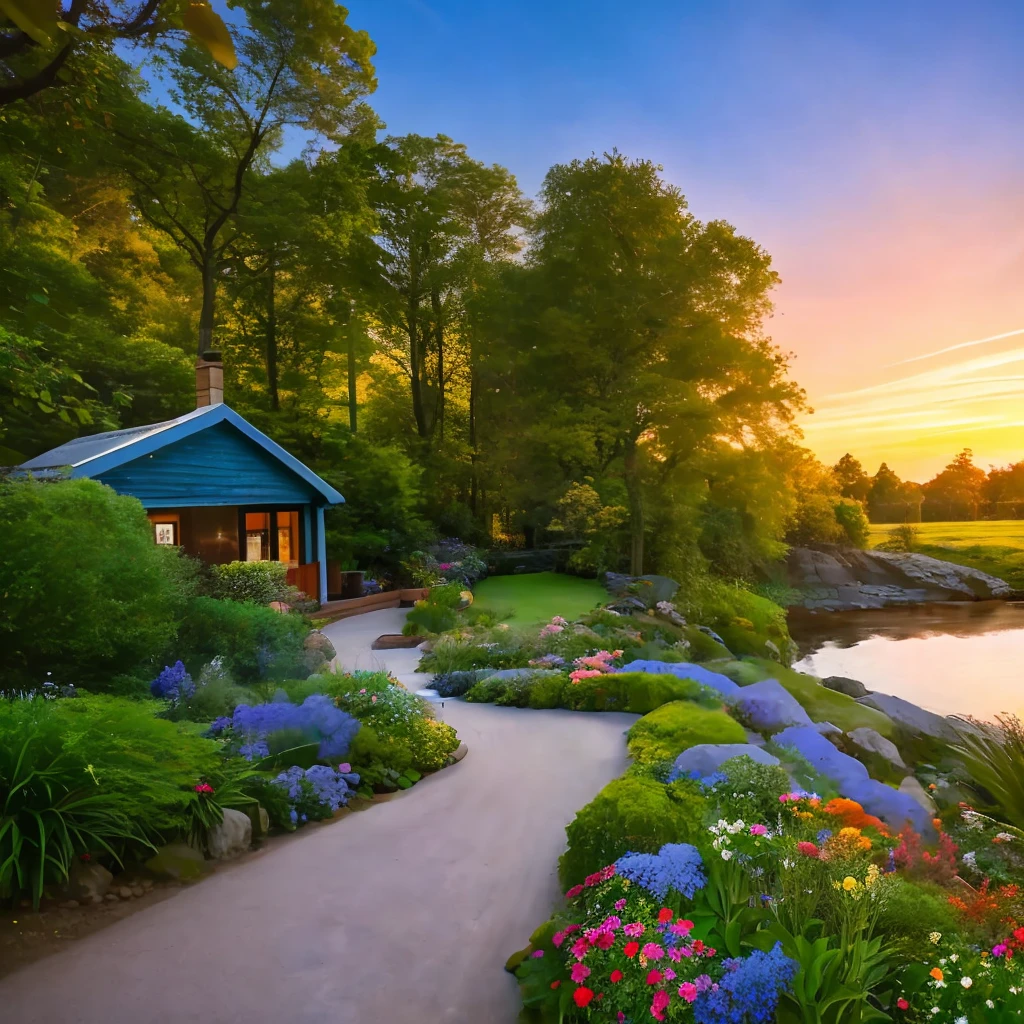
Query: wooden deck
[334, 610]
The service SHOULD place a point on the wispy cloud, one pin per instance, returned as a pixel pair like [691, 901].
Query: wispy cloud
[956, 348]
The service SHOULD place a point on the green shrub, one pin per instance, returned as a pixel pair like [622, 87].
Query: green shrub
[86, 592]
[547, 692]
[437, 612]
[913, 911]
[631, 813]
[667, 731]
[853, 520]
[750, 790]
[96, 774]
[254, 642]
[639, 692]
[257, 582]
[487, 691]
[497, 648]
[702, 647]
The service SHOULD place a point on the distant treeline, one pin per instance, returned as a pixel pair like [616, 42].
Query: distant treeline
[959, 492]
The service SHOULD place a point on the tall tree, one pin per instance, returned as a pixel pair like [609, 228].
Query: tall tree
[853, 481]
[300, 66]
[956, 492]
[636, 333]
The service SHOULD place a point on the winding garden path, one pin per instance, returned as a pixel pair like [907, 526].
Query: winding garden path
[402, 914]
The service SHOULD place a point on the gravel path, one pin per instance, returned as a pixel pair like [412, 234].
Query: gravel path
[403, 913]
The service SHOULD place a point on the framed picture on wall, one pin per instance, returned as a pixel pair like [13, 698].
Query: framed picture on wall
[166, 533]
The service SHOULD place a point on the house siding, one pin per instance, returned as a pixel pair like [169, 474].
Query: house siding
[217, 466]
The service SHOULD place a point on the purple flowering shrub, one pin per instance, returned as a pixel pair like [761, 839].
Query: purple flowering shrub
[676, 866]
[173, 684]
[316, 793]
[252, 728]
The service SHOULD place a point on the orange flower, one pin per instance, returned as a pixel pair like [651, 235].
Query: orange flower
[852, 814]
[936, 973]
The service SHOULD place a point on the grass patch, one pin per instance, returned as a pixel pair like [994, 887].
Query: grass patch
[995, 547]
[667, 731]
[821, 703]
[531, 599]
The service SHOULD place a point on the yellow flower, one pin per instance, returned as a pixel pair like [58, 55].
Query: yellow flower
[934, 937]
[850, 883]
[872, 875]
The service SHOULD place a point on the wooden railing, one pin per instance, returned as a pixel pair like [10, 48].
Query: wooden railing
[306, 578]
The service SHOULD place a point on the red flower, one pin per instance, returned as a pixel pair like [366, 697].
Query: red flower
[582, 996]
[664, 915]
[605, 940]
[574, 892]
[807, 849]
[631, 949]
[653, 977]
[617, 975]
[85, 856]
[902, 1003]
[555, 984]
[698, 946]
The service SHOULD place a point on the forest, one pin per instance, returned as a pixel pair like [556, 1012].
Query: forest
[591, 368]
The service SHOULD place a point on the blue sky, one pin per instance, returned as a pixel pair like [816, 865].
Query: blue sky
[875, 149]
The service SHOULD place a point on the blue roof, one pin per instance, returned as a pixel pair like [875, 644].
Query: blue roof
[98, 454]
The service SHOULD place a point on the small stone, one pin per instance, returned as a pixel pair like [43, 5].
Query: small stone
[125, 892]
[147, 883]
[843, 684]
[137, 891]
[112, 897]
[69, 905]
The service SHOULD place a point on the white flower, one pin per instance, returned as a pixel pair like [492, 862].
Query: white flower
[727, 855]
[954, 957]
[966, 982]
[971, 860]
[990, 1004]
[1005, 837]
[960, 1020]
[934, 938]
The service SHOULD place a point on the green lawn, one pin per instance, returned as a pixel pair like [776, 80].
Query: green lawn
[995, 547]
[532, 599]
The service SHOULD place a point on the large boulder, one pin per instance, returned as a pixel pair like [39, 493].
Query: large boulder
[911, 717]
[319, 641]
[770, 707]
[178, 861]
[88, 882]
[873, 742]
[232, 836]
[706, 758]
[851, 778]
[685, 670]
[650, 589]
[841, 684]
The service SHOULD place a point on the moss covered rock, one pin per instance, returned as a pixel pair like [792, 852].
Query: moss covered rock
[667, 731]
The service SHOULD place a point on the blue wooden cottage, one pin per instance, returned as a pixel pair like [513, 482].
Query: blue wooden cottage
[214, 484]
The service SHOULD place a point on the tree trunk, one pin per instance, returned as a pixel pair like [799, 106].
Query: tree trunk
[206, 314]
[636, 510]
[352, 402]
[275, 402]
[473, 483]
[435, 305]
[415, 369]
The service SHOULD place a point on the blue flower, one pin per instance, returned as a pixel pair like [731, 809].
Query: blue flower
[317, 718]
[676, 866]
[748, 992]
[824, 836]
[173, 684]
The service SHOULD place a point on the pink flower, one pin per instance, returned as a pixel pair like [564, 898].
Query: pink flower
[373, 699]
[605, 940]
[681, 927]
[654, 977]
[670, 975]
[592, 879]
[363, 690]
[612, 923]
[999, 949]
[659, 1004]
[582, 673]
[344, 768]
[620, 1017]
[758, 830]
[634, 930]
[688, 991]
[570, 928]
[608, 872]
[783, 798]
[674, 955]
[537, 954]
[591, 935]
[579, 972]
[653, 951]
[579, 948]
[620, 904]
[574, 892]
[557, 939]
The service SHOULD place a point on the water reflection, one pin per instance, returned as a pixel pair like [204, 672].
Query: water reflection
[950, 658]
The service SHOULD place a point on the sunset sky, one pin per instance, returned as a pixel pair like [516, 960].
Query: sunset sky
[874, 149]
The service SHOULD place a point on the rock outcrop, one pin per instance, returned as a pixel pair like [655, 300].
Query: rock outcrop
[833, 578]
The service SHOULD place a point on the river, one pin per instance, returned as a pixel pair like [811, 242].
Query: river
[957, 658]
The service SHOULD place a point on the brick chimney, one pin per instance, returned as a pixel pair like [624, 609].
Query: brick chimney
[209, 380]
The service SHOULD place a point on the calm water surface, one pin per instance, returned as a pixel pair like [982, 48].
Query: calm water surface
[950, 658]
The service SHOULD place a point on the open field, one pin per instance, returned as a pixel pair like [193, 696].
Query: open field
[534, 598]
[995, 547]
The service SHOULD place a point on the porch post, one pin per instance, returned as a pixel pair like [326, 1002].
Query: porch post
[321, 551]
[307, 534]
